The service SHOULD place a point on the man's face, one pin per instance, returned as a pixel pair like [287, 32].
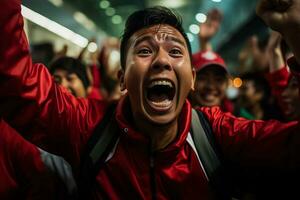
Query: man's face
[290, 98]
[158, 74]
[248, 95]
[210, 87]
[70, 81]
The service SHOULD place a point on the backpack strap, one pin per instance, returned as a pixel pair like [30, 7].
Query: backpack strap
[209, 155]
[204, 148]
[97, 150]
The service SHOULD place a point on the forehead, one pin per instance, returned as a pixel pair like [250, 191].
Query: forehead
[159, 33]
[213, 70]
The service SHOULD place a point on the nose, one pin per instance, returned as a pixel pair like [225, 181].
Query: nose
[210, 82]
[161, 61]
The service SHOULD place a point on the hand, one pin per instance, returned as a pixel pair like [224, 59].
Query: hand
[109, 61]
[284, 17]
[209, 28]
[252, 57]
[280, 15]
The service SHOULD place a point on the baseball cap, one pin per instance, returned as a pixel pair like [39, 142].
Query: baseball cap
[203, 59]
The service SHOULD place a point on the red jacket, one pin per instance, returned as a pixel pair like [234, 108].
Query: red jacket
[23, 173]
[178, 173]
[278, 81]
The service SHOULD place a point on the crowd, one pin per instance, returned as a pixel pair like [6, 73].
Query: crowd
[121, 125]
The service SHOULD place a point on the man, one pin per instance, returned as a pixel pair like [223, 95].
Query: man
[212, 77]
[283, 84]
[153, 157]
[253, 99]
[72, 74]
[212, 81]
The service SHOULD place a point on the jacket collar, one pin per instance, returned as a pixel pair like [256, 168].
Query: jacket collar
[126, 124]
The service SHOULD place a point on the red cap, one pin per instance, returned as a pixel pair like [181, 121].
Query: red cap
[206, 58]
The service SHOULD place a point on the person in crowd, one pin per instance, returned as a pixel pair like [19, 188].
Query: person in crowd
[152, 158]
[71, 73]
[28, 172]
[212, 77]
[212, 80]
[283, 84]
[253, 98]
[109, 65]
[209, 29]
[253, 57]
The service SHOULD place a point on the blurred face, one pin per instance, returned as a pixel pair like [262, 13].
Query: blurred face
[290, 98]
[248, 96]
[210, 87]
[70, 81]
[158, 74]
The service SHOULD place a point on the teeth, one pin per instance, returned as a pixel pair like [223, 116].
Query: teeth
[163, 82]
[162, 104]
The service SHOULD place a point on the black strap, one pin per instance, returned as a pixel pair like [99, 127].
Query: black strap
[97, 150]
[204, 148]
[106, 134]
[210, 157]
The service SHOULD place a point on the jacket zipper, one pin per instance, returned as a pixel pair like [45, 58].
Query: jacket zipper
[152, 175]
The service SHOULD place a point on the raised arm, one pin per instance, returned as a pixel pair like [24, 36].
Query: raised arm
[278, 75]
[208, 29]
[27, 91]
[255, 143]
[284, 17]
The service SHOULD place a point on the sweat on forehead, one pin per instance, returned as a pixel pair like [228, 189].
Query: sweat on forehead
[146, 18]
[158, 33]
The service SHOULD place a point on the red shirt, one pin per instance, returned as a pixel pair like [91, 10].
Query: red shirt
[178, 173]
[23, 174]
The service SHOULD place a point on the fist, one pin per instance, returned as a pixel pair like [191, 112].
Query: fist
[280, 15]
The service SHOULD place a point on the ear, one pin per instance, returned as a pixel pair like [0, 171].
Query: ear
[121, 75]
[193, 79]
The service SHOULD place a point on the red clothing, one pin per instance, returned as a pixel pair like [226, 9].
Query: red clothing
[95, 94]
[178, 173]
[96, 76]
[227, 106]
[23, 174]
[278, 81]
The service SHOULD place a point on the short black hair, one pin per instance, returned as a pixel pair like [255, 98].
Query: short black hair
[71, 65]
[149, 17]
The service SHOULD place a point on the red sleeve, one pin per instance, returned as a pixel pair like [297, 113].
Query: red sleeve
[20, 162]
[96, 76]
[278, 80]
[23, 173]
[95, 94]
[28, 91]
[255, 143]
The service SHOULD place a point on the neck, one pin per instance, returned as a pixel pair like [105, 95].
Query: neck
[160, 135]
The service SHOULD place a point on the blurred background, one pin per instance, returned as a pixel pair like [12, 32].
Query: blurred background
[73, 23]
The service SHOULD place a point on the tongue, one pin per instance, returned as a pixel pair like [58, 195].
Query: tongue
[157, 97]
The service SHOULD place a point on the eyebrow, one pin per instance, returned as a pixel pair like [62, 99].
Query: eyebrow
[142, 39]
[148, 37]
[175, 39]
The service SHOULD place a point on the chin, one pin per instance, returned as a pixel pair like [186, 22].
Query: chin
[161, 119]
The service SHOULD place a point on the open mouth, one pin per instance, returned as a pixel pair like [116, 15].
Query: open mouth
[160, 94]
